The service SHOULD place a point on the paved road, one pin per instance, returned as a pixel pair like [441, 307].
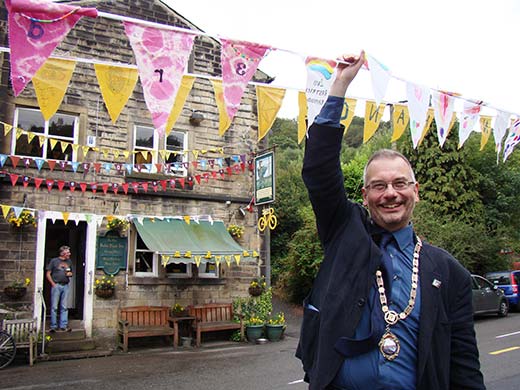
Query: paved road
[230, 366]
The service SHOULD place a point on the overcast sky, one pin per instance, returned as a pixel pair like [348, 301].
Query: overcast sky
[469, 47]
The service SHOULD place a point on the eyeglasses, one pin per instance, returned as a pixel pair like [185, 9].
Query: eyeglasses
[381, 186]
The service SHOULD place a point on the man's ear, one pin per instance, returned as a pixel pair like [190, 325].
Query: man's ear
[364, 193]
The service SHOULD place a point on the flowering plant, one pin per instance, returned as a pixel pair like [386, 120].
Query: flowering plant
[105, 283]
[278, 319]
[117, 224]
[236, 230]
[254, 321]
[24, 219]
[258, 282]
[177, 309]
[19, 283]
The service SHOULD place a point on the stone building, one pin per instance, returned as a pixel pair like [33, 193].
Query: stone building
[82, 135]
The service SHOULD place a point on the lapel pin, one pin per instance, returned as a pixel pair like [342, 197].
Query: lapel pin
[436, 283]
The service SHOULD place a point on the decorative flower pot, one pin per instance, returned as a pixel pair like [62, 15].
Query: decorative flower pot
[255, 291]
[274, 332]
[104, 293]
[183, 313]
[254, 332]
[15, 292]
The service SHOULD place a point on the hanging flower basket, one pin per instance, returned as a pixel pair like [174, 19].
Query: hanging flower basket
[105, 293]
[15, 292]
[255, 291]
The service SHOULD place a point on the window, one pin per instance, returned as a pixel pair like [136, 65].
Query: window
[208, 270]
[149, 150]
[63, 128]
[180, 270]
[145, 260]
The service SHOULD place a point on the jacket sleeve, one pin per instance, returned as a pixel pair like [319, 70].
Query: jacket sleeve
[465, 371]
[324, 180]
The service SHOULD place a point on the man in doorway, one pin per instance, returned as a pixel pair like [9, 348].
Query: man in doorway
[59, 272]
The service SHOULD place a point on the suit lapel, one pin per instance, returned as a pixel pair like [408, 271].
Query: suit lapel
[430, 298]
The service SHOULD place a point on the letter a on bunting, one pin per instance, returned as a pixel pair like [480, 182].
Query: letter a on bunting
[35, 29]
[239, 62]
[161, 57]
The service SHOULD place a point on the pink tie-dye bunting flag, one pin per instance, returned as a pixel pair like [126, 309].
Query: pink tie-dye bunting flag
[239, 63]
[161, 56]
[36, 27]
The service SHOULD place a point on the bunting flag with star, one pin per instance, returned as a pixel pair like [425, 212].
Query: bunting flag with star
[240, 60]
[161, 56]
[400, 119]
[269, 103]
[418, 101]
[35, 29]
[116, 84]
[50, 84]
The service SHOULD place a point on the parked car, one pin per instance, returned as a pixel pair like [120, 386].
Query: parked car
[509, 281]
[488, 298]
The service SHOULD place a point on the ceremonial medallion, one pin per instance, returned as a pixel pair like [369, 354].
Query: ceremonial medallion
[389, 346]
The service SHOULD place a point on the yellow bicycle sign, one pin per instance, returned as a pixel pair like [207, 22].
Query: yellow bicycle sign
[267, 219]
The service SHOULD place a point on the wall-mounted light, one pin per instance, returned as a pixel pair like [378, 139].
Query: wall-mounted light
[196, 117]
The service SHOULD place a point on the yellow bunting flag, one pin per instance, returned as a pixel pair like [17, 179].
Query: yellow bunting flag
[180, 99]
[349, 107]
[115, 152]
[429, 120]
[65, 215]
[208, 255]
[245, 254]
[164, 260]
[195, 154]
[237, 259]
[187, 254]
[177, 254]
[53, 143]
[5, 210]
[85, 150]
[197, 260]
[50, 84]
[373, 117]
[302, 116]
[7, 128]
[41, 140]
[485, 127]
[116, 84]
[126, 153]
[218, 259]
[269, 103]
[255, 254]
[228, 260]
[186, 219]
[224, 121]
[400, 119]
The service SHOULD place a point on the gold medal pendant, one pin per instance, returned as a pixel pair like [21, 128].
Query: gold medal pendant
[389, 345]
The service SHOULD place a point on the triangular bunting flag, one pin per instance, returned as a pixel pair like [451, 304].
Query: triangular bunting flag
[224, 120]
[512, 139]
[182, 94]
[485, 127]
[65, 215]
[467, 120]
[499, 130]
[320, 75]
[373, 115]
[418, 102]
[349, 108]
[443, 109]
[302, 116]
[400, 120]
[380, 77]
[269, 103]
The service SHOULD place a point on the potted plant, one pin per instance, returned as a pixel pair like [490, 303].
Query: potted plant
[236, 231]
[178, 310]
[254, 328]
[118, 225]
[17, 288]
[257, 286]
[275, 327]
[26, 218]
[104, 287]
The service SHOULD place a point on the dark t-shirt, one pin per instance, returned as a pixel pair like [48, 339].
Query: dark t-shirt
[58, 268]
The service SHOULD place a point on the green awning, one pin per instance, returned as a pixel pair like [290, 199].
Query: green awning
[174, 238]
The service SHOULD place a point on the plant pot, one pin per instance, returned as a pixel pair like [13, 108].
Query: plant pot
[105, 293]
[15, 292]
[183, 313]
[255, 291]
[254, 332]
[274, 332]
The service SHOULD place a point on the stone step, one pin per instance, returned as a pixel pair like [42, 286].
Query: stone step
[74, 334]
[98, 352]
[54, 346]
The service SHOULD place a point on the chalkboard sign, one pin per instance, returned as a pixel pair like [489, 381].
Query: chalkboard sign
[111, 253]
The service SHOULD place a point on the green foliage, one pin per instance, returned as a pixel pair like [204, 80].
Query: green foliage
[254, 307]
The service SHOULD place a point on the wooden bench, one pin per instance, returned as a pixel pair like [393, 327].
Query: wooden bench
[24, 333]
[214, 317]
[142, 321]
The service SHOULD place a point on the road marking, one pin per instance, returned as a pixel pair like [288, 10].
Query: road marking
[295, 382]
[507, 334]
[55, 385]
[504, 350]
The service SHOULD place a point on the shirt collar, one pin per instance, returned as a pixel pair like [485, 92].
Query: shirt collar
[403, 237]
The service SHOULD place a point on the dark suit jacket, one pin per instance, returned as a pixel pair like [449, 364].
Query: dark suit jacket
[447, 351]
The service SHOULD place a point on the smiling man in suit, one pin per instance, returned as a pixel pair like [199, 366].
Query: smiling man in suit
[386, 310]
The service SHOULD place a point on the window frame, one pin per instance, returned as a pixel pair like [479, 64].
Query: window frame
[209, 275]
[187, 275]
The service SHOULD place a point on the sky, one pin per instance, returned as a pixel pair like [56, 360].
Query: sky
[462, 46]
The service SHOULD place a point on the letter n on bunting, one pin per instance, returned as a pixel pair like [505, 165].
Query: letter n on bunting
[35, 29]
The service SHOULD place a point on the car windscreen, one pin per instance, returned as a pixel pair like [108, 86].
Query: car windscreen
[499, 278]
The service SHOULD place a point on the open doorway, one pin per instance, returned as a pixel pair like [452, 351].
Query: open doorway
[74, 236]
